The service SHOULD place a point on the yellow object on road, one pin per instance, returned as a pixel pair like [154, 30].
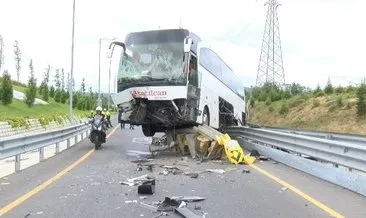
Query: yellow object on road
[233, 150]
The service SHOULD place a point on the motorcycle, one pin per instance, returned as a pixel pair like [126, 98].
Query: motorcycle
[97, 135]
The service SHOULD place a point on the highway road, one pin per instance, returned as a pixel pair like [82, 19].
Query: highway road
[81, 182]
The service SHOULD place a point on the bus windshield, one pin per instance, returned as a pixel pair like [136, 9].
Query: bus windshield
[152, 59]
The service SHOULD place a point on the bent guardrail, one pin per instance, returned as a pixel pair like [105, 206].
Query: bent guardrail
[273, 144]
[22, 143]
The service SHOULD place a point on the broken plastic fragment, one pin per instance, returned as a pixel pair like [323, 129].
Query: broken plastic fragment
[188, 198]
[221, 171]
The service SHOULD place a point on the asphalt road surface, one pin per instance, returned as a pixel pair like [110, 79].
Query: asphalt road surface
[92, 188]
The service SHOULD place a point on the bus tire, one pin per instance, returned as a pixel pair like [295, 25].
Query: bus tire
[148, 130]
[206, 117]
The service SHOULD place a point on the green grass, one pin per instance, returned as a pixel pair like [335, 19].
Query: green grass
[18, 109]
[19, 88]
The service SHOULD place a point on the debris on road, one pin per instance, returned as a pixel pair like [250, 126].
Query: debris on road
[185, 212]
[161, 214]
[264, 158]
[197, 207]
[139, 161]
[146, 188]
[220, 171]
[149, 206]
[171, 170]
[131, 201]
[139, 154]
[284, 188]
[194, 175]
[188, 198]
[246, 171]
[138, 180]
[143, 197]
[168, 204]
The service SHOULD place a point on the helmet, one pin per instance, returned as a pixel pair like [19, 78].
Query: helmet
[99, 108]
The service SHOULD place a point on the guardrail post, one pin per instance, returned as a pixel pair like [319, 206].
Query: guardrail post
[68, 143]
[57, 147]
[41, 154]
[76, 139]
[82, 135]
[17, 163]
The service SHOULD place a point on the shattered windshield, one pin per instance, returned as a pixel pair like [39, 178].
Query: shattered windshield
[152, 62]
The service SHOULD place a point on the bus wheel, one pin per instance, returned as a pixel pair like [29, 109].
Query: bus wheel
[206, 117]
[148, 130]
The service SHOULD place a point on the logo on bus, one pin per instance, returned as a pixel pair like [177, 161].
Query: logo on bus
[136, 93]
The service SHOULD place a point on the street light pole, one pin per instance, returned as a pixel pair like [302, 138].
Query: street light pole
[109, 84]
[99, 101]
[72, 60]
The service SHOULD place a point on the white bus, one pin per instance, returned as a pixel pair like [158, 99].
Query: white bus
[168, 79]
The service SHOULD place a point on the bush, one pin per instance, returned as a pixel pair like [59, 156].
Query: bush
[349, 105]
[296, 102]
[262, 96]
[339, 90]
[361, 100]
[284, 108]
[339, 101]
[6, 89]
[252, 102]
[318, 91]
[316, 103]
[268, 101]
[351, 89]
[328, 88]
[18, 122]
[270, 109]
[319, 94]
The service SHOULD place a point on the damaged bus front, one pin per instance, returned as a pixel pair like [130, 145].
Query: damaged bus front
[155, 87]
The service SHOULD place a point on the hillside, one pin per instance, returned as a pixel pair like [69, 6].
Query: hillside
[335, 113]
[18, 109]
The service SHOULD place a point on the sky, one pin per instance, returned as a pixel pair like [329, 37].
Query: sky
[320, 39]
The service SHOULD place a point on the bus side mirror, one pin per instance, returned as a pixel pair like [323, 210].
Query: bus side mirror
[187, 44]
[113, 44]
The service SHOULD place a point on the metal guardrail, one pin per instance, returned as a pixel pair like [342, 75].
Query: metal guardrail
[19, 144]
[348, 138]
[349, 155]
[273, 144]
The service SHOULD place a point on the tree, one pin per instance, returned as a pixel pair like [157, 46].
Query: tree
[318, 91]
[63, 79]
[6, 89]
[82, 87]
[361, 100]
[31, 91]
[43, 89]
[57, 79]
[329, 88]
[64, 96]
[1, 52]
[52, 92]
[18, 58]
